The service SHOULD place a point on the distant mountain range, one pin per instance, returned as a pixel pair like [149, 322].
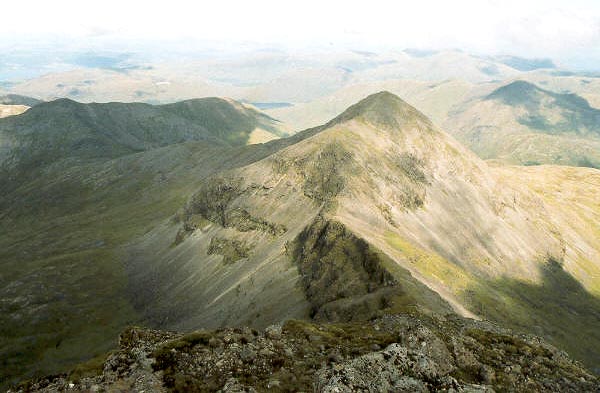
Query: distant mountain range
[268, 76]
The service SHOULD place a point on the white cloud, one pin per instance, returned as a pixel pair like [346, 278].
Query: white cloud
[540, 28]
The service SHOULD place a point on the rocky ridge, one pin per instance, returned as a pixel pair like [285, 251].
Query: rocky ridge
[409, 352]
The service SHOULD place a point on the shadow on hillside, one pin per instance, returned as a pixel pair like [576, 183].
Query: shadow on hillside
[559, 309]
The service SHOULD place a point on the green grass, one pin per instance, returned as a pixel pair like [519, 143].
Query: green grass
[70, 270]
[430, 264]
[89, 368]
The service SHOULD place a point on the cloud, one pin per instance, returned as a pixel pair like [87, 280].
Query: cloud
[542, 28]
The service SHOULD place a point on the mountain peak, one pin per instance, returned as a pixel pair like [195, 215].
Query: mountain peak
[62, 102]
[516, 93]
[383, 109]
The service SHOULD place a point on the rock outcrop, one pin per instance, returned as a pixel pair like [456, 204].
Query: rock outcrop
[395, 353]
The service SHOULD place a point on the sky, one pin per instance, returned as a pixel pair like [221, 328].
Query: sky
[566, 31]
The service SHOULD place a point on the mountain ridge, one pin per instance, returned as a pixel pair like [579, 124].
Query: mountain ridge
[66, 129]
[374, 212]
[410, 202]
[16, 99]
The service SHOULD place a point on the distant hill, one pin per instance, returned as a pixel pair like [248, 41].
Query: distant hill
[64, 128]
[549, 112]
[523, 123]
[15, 99]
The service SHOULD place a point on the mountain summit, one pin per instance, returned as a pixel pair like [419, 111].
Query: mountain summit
[383, 109]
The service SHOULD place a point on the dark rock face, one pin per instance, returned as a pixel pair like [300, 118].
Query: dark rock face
[346, 279]
[395, 353]
[337, 267]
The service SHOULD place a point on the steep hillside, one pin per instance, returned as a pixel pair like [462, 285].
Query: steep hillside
[63, 282]
[522, 123]
[375, 212]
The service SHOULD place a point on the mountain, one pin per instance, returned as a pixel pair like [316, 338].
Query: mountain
[64, 221]
[525, 124]
[440, 66]
[269, 75]
[15, 99]
[65, 129]
[524, 64]
[378, 211]
[375, 212]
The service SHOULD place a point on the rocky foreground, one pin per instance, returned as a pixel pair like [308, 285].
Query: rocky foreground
[394, 353]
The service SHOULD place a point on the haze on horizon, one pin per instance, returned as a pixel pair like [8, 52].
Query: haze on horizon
[568, 33]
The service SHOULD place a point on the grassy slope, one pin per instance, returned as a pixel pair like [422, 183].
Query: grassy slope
[64, 284]
[563, 304]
